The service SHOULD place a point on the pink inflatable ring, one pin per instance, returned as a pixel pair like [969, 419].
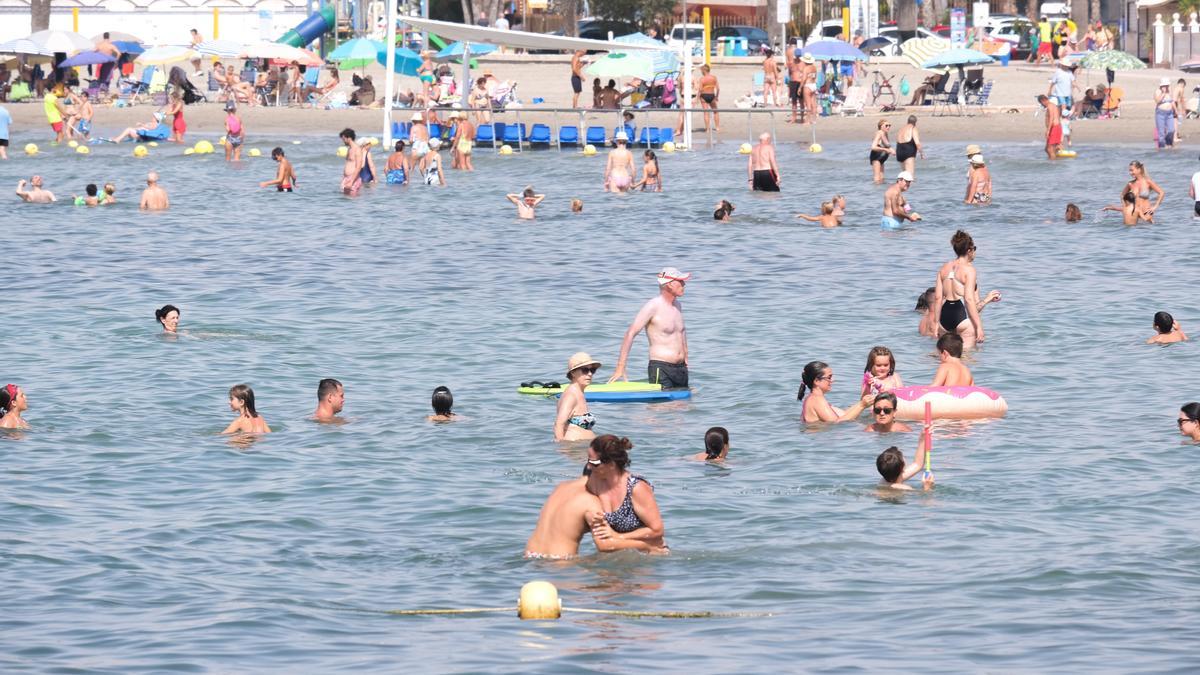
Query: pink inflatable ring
[954, 403]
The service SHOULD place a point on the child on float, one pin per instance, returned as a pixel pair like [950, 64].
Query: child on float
[952, 372]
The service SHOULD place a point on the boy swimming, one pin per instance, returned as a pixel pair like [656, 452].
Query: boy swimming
[952, 372]
[895, 471]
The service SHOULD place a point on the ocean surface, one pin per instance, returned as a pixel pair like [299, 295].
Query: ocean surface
[1062, 537]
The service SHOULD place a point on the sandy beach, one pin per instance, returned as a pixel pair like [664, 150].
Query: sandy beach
[1009, 116]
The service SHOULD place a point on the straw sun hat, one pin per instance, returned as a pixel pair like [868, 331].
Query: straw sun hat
[579, 360]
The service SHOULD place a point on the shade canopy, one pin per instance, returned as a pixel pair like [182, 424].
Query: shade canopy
[834, 50]
[621, 64]
[64, 41]
[514, 38]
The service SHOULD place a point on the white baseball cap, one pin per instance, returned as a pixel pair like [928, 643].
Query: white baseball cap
[669, 274]
[904, 175]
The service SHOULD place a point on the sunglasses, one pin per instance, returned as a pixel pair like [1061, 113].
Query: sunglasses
[591, 370]
[884, 411]
[1179, 421]
[825, 377]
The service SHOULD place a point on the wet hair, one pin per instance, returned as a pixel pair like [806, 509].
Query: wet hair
[347, 133]
[890, 464]
[245, 394]
[1138, 165]
[1129, 197]
[912, 119]
[577, 205]
[109, 188]
[326, 387]
[962, 243]
[952, 344]
[6, 399]
[925, 300]
[442, 400]
[826, 208]
[1192, 410]
[162, 312]
[649, 154]
[277, 153]
[1074, 215]
[880, 351]
[715, 440]
[885, 396]
[610, 448]
[724, 210]
[1163, 322]
[106, 37]
[808, 379]
[91, 189]
[399, 146]
[528, 193]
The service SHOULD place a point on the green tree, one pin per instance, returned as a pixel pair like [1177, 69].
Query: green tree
[634, 11]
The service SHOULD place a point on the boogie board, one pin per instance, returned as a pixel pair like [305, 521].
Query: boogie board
[613, 392]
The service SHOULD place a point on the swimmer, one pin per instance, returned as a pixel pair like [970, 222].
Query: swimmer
[573, 421]
[331, 398]
[761, 168]
[1141, 185]
[839, 208]
[463, 142]
[36, 194]
[1074, 215]
[168, 316]
[884, 409]
[895, 471]
[285, 175]
[352, 180]
[241, 401]
[576, 205]
[431, 164]
[979, 181]
[629, 511]
[1127, 209]
[526, 202]
[651, 178]
[928, 326]
[12, 404]
[879, 375]
[1189, 419]
[1168, 330]
[235, 133]
[826, 219]
[662, 318]
[817, 378]
[154, 198]
[952, 372]
[443, 402]
[716, 446]
[618, 172]
[724, 211]
[397, 168]
[110, 195]
[573, 505]
[90, 199]
[956, 302]
[895, 208]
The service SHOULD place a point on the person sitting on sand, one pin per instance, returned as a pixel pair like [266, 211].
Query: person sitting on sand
[1168, 330]
[826, 219]
[952, 372]
[154, 197]
[12, 404]
[716, 446]
[525, 202]
[241, 401]
[36, 194]
[884, 409]
[331, 398]
[1127, 208]
[895, 471]
[285, 176]
[443, 402]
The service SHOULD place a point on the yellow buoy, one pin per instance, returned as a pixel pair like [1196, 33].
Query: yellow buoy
[31, 148]
[372, 141]
[745, 149]
[539, 600]
[189, 151]
[668, 147]
[203, 147]
[255, 152]
[342, 151]
[221, 141]
[83, 150]
[72, 143]
[153, 144]
[140, 151]
[589, 149]
[1065, 154]
[506, 149]
[815, 148]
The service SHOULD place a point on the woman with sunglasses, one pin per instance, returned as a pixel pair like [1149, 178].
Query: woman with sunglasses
[956, 294]
[818, 379]
[1189, 420]
[881, 149]
[12, 404]
[884, 409]
[629, 511]
[574, 422]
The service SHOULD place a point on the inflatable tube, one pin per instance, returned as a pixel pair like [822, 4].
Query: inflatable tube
[1065, 154]
[952, 403]
[614, 392]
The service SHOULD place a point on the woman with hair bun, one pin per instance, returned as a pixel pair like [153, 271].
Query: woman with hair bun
[168, 316]
[956, 294]
[630, 512]
[818, 380]
[12, 404]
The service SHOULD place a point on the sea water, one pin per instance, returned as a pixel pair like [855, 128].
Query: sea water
[136, 538]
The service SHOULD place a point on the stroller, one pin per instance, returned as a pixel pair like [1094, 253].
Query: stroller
[179, 81]
[660, 92]
[504, 94]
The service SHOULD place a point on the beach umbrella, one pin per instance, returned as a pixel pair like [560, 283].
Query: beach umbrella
[127, 47]
[64, 41]
[223, 49]
[956, 58]
[874, 43]
[356, 53]
[1112, 60]
[278, 51]
[407, 61]
[165, 55]
[620, 64]
[834, 50]
[117, 36]
[88, 58]
[24, 46]
[310, 59]
[454, 50]
[664, 61]
[919, 50]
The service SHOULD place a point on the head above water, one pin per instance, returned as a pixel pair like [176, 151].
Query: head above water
[962, 243]
[813, 371]
[442, 400]
[1074, 215]
[764, 137]
[243, 393]
[912, 119]
[612, 449]
[890, 464]
[952, 344]
[1164, 322]
[91, 189]
[884, 352]
[716, 440]
[327, 387]
[925, 300]
[152, 178]
[277, 154]
[347, 134]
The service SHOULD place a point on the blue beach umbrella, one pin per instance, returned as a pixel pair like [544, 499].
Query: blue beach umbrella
[355, 53]
[834, 50]
[407, 61]
[454, 50]
[88, 58]
[128, 47]
[664, 61]
[957, 57]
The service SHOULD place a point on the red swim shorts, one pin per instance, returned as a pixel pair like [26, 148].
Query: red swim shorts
[56, 126]
[1054, 136]
[1045, 48]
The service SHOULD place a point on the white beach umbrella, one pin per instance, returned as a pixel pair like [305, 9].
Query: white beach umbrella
[274, 50]
[161, 56]
[225, 49]
[24, 46]
[61, 41]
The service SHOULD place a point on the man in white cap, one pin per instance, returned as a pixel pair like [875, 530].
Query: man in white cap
[662, 318]
[895, 208]
[618, 172]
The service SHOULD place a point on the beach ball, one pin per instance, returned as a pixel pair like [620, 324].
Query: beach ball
[668, 147]
[203, 147]
[189, 151]
[745, 149]
[589, 149]
[140, 151]
[72, 143]
[153, 144]
[815, 148]
[255, 152]
[342, 151]
[31, 149]
[506, 149]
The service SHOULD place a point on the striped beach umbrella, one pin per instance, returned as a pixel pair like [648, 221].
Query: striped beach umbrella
[223, 49]
[165, 55]
[919, 50]
[1111, 60]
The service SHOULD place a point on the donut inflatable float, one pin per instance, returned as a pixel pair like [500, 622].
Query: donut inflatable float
[949, 403]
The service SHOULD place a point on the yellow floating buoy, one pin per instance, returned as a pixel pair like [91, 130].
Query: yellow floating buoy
[745, 149]
[153, 144]
[31, 149]
[506, 149]
[371, 141]
[221, 141]
[72, 143]
[255, 152]
[342, 151]
[815, 148]
[189, 151]
[140, 151]
[1065, 154]
[668, 147]
[539, 600]
[83, 150]
[203, 147]
[589, 149]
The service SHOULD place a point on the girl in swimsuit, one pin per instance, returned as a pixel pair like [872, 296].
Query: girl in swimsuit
[881, 148]
[12, 404]
[241, 401]
[425, 72]
[629, 515]
[817, 379]
[979, 182]
[1127, 208]
[880, 374]
[178, 126]
[1141, 186]
[651, 180]
[956, 300]
[574, 422]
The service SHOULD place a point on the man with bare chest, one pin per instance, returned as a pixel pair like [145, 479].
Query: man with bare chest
[662, 318]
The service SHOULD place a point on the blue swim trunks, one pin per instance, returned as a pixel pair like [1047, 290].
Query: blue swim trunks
[395, 177]
[890, 223]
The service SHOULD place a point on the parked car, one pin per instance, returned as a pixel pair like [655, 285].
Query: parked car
[824, 30]
[894, 32]
[695, 32]
[598, 29]
[1016, 34]
[756, 38]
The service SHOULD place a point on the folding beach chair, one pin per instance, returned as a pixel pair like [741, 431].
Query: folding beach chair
[855, 101]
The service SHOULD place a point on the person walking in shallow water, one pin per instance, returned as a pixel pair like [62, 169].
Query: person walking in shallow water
[761, 166]
[908, 146]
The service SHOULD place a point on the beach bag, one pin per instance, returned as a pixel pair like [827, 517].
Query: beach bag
[904, 88]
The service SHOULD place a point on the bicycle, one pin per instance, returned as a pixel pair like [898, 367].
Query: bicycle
[882, 86]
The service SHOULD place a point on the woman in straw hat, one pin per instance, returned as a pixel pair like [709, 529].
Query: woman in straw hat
[573, 421]
[979, 179]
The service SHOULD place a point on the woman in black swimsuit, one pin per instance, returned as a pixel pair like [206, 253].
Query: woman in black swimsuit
[908, 145]
[881, 148]
[956, 294]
